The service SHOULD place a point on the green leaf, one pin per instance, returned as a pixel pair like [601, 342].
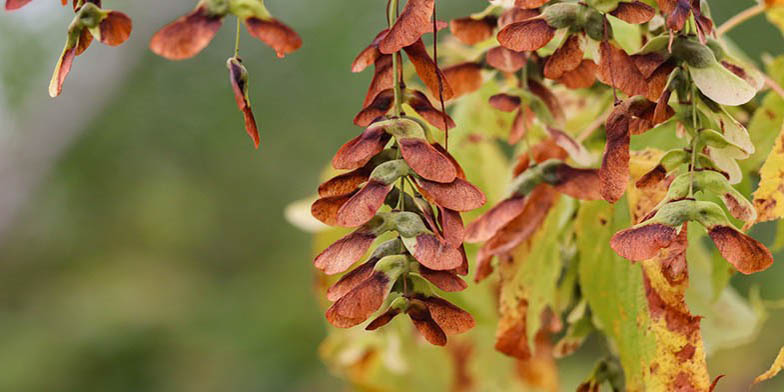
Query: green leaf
[614, 290]
[721, 85]
[729, 320]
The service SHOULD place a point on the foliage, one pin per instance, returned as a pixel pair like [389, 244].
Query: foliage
[573, 249]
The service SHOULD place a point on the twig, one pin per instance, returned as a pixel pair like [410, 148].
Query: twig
[596, 124]
[740, 18]
[773, 85]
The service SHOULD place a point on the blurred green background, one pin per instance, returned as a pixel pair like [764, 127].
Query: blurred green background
[143, 245]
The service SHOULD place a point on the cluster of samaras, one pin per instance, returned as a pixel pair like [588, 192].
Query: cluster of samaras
[181, 39]
[681, 75]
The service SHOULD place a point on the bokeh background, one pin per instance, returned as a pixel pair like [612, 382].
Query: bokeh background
[143, 245]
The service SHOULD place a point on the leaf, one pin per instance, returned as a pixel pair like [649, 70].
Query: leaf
[769, 196]
[766, 119]
[776, 16]
[614, 290]
[729, 320]
[721, 85]
[531, 277]
[774, 370]
[680, 353]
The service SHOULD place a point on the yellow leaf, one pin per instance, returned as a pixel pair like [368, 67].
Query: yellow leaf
[769, 197]
[680, 353]
[777, 366]
[642, 201]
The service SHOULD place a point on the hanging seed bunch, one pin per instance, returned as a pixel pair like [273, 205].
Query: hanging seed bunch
[90, 22]
[402, 186]
[180, 40]
[190, 34]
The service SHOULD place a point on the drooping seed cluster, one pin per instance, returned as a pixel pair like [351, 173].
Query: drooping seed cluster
[179, 40]
[402, 186]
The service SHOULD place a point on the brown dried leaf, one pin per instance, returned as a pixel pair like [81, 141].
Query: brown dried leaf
[419, 102]
[61, 71]
[442, 150]
[426, 69]
[635, 12]
[85, 39]
[238, 76]
[444, 280]
[582, 184]
[345, 183]
[436, 254]
[451, 226]
[566, 58]
[528, 35]
[361, 149]
[487, 225]
[523, 121]
[186, 36]
[341, 255]
[614, 173]
[283, 39]
[505, 60]
[326, 208]
[459, 195]
[524, 226]
[745, 253]
[426, 326]
[464, 78]
[644, 242]
[426, 161]
[583, 76]
[617, 69]
[505, 102]
[414, 21]
[472, 31]
[549, 99]
[362, 207]
[359, 303]
[514, 15]
[382, 320]
[449, 317]
[11, 5]
[351, 280]
[484, 266]
[648, 63]
[368, 55]
[383, 80]
[115, 28]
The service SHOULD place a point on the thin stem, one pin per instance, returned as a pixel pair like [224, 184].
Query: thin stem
[237, 40]
[396, 65]
[401, 200]
[396, 60]
[693, 163]
[738, 19]
[774, 85]
[438, 75]
[694, 139]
